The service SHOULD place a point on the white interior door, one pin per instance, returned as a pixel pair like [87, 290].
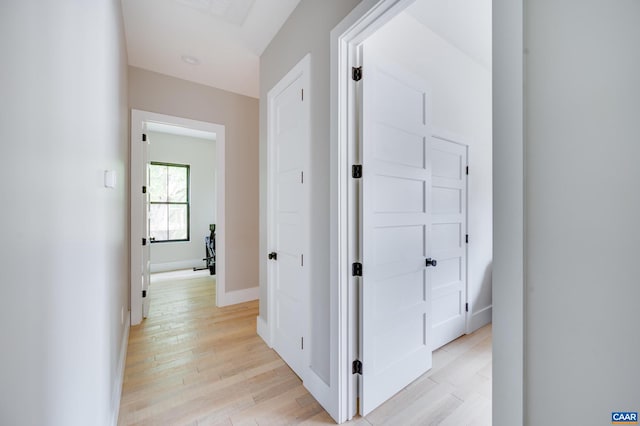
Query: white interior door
[448, 245]
[395, 301]
[288, 209]
[146, 244]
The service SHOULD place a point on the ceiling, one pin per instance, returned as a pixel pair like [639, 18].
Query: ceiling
[225, 37]
[463, 23]
[180, 131]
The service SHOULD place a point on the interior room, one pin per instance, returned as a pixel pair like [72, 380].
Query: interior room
[425, 212]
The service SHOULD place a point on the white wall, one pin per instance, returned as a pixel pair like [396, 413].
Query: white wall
[64, 252]
[200, 155]
[461, 106]
[153, 92]
[582, 205]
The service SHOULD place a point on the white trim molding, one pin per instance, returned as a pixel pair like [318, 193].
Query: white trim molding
[116, 396]
[479, 319]
[175, 266]
[263, 330]
[238, 296]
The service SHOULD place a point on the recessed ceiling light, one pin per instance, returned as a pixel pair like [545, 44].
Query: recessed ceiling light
[191, 60]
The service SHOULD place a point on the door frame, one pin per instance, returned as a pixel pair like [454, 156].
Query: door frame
[301, 70]
[508, 187]
[138, 120]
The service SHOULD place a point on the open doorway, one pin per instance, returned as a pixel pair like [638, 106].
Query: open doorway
[417, 74]
[177, 198]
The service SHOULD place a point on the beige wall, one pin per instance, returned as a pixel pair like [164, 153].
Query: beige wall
[150, 91]
[306, 31]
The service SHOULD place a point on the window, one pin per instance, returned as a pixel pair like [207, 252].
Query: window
[169, 202]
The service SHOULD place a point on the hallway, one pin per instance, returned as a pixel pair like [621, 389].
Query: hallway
[191, 363]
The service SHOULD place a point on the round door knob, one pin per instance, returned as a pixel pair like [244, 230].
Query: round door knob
[431, 262]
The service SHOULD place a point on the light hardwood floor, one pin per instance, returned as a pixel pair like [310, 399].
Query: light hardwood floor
[191, 363]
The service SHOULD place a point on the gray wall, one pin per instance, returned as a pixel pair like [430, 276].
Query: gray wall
[582, 197]
[508, 214]
[200, 155]
[64, 253]
[306, 31]
[150, 91]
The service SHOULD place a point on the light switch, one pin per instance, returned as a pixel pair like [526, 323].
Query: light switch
[109, 178]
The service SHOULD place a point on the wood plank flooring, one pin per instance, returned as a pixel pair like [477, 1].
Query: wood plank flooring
[191, 363]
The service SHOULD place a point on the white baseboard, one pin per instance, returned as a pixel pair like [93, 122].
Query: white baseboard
[481, 318]
[239, 296]
[263, 330]
[117, 388]
[175, 266]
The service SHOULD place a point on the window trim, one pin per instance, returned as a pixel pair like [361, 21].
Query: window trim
[187, 203]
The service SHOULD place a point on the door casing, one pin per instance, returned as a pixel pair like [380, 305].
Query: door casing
[138, 120]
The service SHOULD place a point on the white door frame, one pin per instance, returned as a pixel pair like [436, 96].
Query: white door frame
[138, 119]
[508, 264]
[301, 70]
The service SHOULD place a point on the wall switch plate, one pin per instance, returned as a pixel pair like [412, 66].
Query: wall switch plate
[109, 178]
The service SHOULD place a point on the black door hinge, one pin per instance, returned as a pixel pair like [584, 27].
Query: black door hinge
[144, 293]
[144, 137]
[356, 171]
[467, 170]
[356, 73]
[356, 269]
[466, 307]
[144, 189]
[273, 256]
[356, 367]
[466, 238]
[302, 343]
[144, 241]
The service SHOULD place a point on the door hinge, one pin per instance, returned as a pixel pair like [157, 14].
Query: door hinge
[302, 343]
[144, 241]
[273, 256]
[467, 170]
[301, 177]
[144, 189]
[356, 269]
[356, 367]
[466, 307]
[144, 137]
[356, 73]
[302, 95]
[144, 293]
[356, 171]
[466, 238]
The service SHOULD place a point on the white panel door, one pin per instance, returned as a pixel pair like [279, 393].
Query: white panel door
[395, 301]
[288, 147]
[448, 232]
[146, 228]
